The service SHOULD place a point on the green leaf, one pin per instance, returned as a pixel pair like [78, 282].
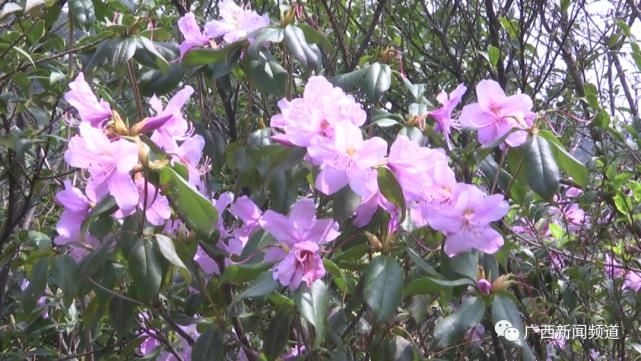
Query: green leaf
[206, 56]
[105, 207]
[316, 37]
[464, 264]
[312, 304]
[384, 119]
[396, 349]
[123, 51]
[263, 285]
[568, 163]
[493, 53]
[541, 169]
[450, 330]
[268, 75]
[155, 82]
[198, 213]
[377, 80]
[209, 346]
[426, 285]
[390, 188]
[242, 273]
[503, 308]
[37, 284]
[65, 275]
[565, 4]
[121, 315]
[308, 54]
[145, 268]
[349, 81]
[421, 263]
[161, 62]
[383, 289]
[168, 250]
[277, 334]
[83, 12]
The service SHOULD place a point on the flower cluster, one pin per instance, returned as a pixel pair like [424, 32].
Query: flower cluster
[235, 23]
[326, 121]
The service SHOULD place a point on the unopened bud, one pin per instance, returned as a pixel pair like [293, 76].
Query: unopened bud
[374, 241]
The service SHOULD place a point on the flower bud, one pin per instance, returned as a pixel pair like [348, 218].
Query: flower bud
[484, 286]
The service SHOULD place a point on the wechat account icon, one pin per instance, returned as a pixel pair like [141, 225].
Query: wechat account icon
[504, 328]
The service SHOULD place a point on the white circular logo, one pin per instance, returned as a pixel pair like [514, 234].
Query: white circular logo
[504, 328]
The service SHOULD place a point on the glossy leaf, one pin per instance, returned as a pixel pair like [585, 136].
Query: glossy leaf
[64, 272]
[198, 213]
[145, 268]
[277, 333]
[378, 79]
[83, 12]
[207, 56]
[541, 170]
[268, 75]
[568, 163]
[308, 54]
[209, 346]
[391, 189]
[383, 287]
[168, 250]
[450, 329]
[312, 303]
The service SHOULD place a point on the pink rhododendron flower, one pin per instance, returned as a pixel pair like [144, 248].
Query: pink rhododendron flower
[76, 207]
[316, 114]
[347, 160]
[302, 263]
[443, 115]
[301, 234]
[235, 23]
[189, 153]
[157, 209]
[248, 212]
[183, 348]
[412, 164]
[108, 163]
[438, 193]
[169, 120]
[194, 37]
[90, 109]
[496, 114]
[632, 281]
[613, 268]
[466, 222]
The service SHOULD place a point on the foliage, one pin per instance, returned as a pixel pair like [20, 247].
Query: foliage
[403, 227]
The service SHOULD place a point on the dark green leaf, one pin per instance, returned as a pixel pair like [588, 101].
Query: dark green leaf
[166, 246]
[37, 284]
[121, 315]
[378, 78]
[396, 349]
[312, 304]
[426, 285]
[83, 12]
[65, 275]
[105, 207]
[503, 308]
[268, 75]
[349, 81]
[390, 188]
[263, 285]
[161, 62]
[568, 163]
[277, 334]
[123, 51]
[540, 167]
[450, 330]
[308, 54]
[383, 289]
[145, 268]
[268, 34]
[209, 346]
[198, 213]
[228, 54]
[155, 82]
